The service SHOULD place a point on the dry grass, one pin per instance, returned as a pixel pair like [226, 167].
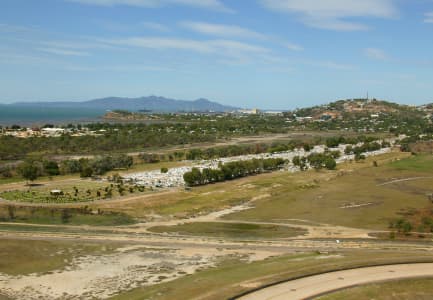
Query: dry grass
[233, 277]
[20, 257]
[414, 289]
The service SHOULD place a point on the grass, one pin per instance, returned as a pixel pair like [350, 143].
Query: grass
[235, 276]
[66, 216]
[418, 163]
[413, 289]
[21, 257]
[311, 196]
[180, 203]
[232, 230]
[320, 196]
[72, 192]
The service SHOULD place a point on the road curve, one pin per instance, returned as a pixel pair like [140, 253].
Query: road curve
[312, 286]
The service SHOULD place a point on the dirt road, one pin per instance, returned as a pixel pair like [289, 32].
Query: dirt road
[308, 287]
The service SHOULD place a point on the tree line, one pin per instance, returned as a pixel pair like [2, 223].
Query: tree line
[32, 168]
[232, 170]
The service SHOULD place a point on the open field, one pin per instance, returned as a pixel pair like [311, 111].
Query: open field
[18, 257]
[226, 238]
[234, 277]
[326, 199]
[53, 216]
[310, 196]
[232, 230]
[416, 289]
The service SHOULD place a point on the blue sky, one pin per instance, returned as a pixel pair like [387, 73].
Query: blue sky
[251, 53]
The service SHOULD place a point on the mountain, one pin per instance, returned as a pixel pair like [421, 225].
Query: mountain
[152, 103]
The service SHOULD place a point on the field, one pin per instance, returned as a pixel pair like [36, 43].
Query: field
[216, 241]
[19, 257]
[73, 192]
[416, 289]
[232, 230]
[355, 197]
[234, 277]
[56, 215]
[317, 197]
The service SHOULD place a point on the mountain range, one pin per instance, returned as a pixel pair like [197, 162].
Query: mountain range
[151, 103]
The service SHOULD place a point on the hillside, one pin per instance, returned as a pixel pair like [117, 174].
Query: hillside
[356, 107]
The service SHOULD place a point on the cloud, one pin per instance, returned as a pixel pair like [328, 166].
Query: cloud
[7, 28]
[428, 17]
[376, 54]
[331, 65]
[65, 52]
[161, 43]
[215, 5]
[155, 26]
[222, 30]
[333, 14]
[294, 47]
[83, 44]
[221, 46]
[123, 27]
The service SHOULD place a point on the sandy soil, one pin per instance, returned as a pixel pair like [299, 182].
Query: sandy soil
[99, 277]
[308, 287]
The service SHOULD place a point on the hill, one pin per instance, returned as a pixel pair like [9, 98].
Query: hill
[356, 107]
[151, 103]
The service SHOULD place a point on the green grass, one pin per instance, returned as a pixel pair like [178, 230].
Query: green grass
[232, 230]
[21, 257]
[79, 191]
[418, 163]
[414, 289]
[54, 216]
[235, 276]
[320, 196]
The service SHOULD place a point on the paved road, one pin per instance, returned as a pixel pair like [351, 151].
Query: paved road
[315, 285]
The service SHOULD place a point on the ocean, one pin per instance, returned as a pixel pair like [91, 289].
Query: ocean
[28, 116]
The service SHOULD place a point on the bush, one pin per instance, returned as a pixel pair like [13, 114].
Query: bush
[86, 172]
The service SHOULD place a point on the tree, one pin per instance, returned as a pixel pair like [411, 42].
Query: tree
[330, 163]
[51, 168]
[86, 172]
[29, 171]
[359, 157]
[407, 227]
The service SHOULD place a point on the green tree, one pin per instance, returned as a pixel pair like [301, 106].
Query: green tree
[86, 172]
[29, 171]
[51, 168]
[330, 163]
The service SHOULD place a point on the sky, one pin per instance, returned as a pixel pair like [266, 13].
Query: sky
[274, 54]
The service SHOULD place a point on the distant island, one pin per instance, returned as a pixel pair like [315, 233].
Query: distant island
[144, 104]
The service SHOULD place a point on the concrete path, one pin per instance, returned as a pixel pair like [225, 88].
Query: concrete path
[308, 287]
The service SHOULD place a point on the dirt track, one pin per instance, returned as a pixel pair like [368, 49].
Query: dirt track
[312, 286]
